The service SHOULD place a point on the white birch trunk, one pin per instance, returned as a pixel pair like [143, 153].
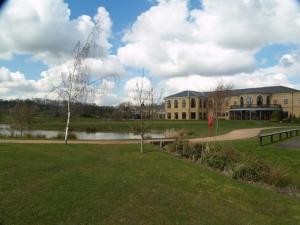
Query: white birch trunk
[68, 123]
[141, 149]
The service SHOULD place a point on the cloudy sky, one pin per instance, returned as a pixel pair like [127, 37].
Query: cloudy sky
[181, 44]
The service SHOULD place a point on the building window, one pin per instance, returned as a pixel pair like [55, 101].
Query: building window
[286, 101]
[169, 116]
[259, 101]
[183, 115]
[226, 113]
[268, 100]
[200, 116]
[204, 104]
[183, 104]
[204, 116]
[169, 104]
[193, 103]
[249, 100]
[242, 102]
[210, 103]
[200, 103]
[193, 115]
[176, 116]
[175, 104]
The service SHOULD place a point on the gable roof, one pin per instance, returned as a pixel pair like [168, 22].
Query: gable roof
[261, 90]
[189, 94]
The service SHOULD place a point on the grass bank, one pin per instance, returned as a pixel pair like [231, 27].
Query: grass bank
[288, 159]
[86, 184]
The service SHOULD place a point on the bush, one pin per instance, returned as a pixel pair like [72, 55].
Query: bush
[71, 136]
[90, 130]
[255, 170]
[229, 160]
[221, 159]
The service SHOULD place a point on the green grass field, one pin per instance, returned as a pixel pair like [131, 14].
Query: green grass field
[88, 184]
[197, 127]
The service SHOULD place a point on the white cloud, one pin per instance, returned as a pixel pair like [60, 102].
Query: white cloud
[135, 85]
[45, 30]
[280, 74]
[221, 39]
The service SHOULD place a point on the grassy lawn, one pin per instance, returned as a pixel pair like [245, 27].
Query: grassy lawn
[197, 127]
[86, 184]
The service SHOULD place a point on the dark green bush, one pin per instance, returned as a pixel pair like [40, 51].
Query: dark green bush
[71, 136]
[91, 130]
[221, 159]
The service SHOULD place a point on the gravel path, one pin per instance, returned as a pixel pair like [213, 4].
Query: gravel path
[233, 135]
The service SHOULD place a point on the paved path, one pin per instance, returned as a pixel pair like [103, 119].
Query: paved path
[293, 143]
[233, 135]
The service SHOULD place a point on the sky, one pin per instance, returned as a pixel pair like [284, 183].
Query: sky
[179, 44]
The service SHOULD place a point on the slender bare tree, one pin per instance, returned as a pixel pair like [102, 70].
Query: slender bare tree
[77, 84]
[145, 98]
[141, 99]
[217, 101]
[21, 115]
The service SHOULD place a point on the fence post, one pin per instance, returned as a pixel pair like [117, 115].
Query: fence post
[260, 139]
[271, 138]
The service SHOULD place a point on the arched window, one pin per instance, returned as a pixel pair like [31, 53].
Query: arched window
[183, 104]
[268, 100]
[175, 103]
[169, 104]
[193, 103]
[249, 100]
[200, 103]
[242, 102]
[259, 100]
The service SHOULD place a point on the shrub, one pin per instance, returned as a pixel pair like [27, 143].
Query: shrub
[256, 170]
[221, 159]
[197, 151]
[246, 172]
[62, 136]
[90, 130]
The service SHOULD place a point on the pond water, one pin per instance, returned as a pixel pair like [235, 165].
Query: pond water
[50, 134]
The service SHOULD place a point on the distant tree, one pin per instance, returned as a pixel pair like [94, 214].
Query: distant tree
[21, 115]
[217, 101]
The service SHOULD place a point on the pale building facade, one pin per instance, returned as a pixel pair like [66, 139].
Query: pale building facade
[239, 104]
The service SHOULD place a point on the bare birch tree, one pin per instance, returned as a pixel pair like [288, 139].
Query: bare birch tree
[77, 84]
[21, 115]
[141, 99]
[217, 101]
[145, 98]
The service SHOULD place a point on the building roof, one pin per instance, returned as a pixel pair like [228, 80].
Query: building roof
[189, 94]
[261, 90]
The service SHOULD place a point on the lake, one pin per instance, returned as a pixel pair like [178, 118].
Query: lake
[50, 134]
